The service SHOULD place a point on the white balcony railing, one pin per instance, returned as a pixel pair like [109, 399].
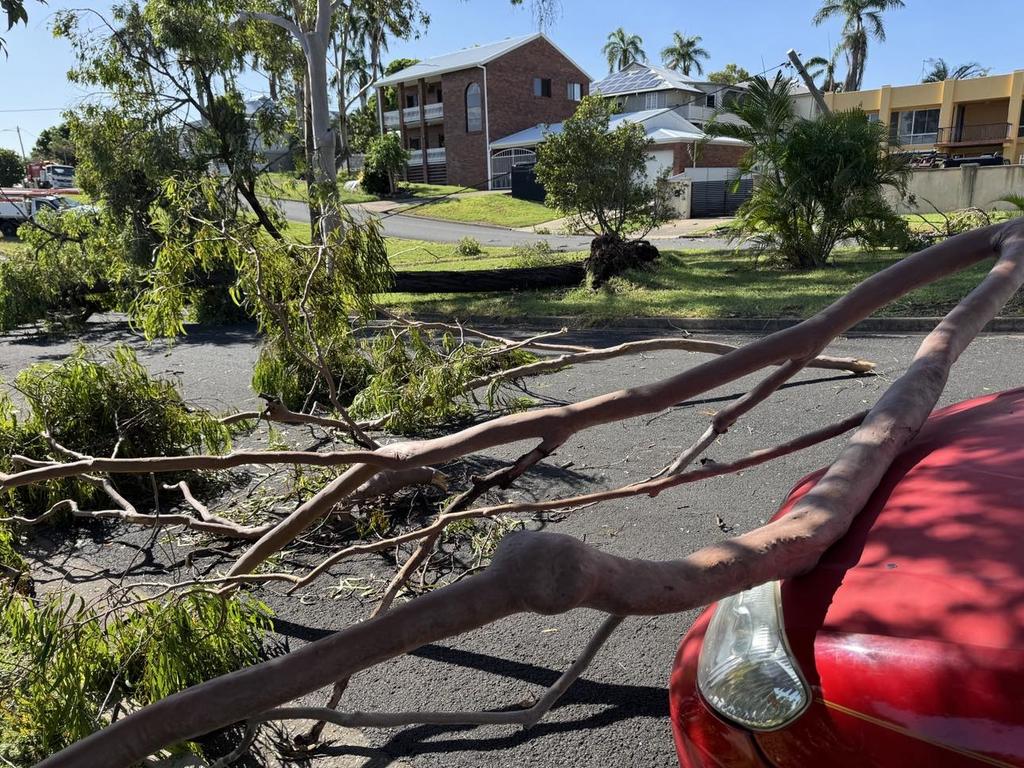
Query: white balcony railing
[703, 114]
[412, 115]
[435, 156]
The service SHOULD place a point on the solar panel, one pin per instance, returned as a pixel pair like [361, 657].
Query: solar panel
[631, 81]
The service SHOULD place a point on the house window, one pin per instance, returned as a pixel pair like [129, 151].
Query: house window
[414, 142]
[542, 87]
[440, 140]
[711, 100]
[920, 126]
[574, 92]
[440, 95]
[412, 100]
[655, 100]
[474, 109]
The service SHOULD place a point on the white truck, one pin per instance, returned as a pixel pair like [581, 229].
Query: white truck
[15, 211]
[45, 175]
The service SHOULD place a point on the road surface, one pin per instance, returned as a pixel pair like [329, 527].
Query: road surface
[436, 231]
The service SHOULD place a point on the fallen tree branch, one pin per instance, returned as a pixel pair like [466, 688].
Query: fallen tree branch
[550, 573]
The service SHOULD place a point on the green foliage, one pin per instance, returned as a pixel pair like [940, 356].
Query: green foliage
[599, 176]
[11, 169]
[91, 406]
[538, 254]
[623, 49]
[94, 406]
[284, 371]
[12, 565]
[16, 13]
[1017, 201]
[821, 182]
[730, 74]
[56, 280]
[418, 384]
[685, 54]
[55, 143]
[468, 247]
[64, 671]
[385, 157]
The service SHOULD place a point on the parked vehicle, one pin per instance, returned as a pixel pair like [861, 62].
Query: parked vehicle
[15, 211]
[43, 175]
[984, 160]
[904, 646]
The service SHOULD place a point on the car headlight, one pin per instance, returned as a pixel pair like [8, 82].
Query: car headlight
[746, 672]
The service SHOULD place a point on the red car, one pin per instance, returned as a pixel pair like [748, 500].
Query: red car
[904, 646]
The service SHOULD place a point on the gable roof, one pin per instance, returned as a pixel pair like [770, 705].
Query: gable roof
[465, 59]
[663, 126]
[641, 78]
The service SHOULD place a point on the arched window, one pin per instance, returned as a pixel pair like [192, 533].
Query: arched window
[474, 110]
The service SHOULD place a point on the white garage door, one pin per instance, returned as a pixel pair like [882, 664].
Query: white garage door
[658, 161]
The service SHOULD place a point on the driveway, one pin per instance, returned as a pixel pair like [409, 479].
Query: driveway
[617, 714]
[437, 231]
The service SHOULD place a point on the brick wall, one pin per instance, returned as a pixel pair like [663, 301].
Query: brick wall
[466, 152]
[510, 104]
[708, 156]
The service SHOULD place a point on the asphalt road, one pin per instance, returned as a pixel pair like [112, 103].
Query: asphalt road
[436, 231]
[616, 715]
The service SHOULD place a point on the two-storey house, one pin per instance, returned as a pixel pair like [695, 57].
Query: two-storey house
[452, 107]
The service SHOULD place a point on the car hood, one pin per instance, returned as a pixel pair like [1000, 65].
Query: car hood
[914, 621]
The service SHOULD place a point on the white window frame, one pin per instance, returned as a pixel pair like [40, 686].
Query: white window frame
[574, 91]
[655, 100]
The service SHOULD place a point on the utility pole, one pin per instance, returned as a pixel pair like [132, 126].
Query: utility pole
[818, 98]
[20, 143]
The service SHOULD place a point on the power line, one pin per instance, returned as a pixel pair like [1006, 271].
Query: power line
[38, 109]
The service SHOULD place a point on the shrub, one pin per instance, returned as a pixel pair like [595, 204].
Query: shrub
[537, 254]
[385, 157]
[597, 176]
[64, 671]
[820, 181]
[468, 246]
[11, 169]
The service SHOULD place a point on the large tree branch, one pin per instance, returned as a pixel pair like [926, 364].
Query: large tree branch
[550, 573]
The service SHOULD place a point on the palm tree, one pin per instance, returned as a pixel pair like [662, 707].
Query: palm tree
[861, 19]
[941, 71]
[623, 49]
[819, 65]
[685, 54]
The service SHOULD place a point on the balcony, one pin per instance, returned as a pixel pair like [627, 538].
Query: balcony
[435, 156]
[703, 114]
[411, 115]
[968, 135]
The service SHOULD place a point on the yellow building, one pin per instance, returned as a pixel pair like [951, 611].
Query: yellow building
[962, 118]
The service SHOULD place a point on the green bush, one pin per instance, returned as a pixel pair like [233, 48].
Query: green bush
[284, 373]
[533, 255]
[468, 246]
[385, 157]
[64, 671]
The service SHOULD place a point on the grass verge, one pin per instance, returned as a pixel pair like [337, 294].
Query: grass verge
[707, 284]
[499, 209]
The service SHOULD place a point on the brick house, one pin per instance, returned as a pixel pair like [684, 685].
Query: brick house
[452, 107]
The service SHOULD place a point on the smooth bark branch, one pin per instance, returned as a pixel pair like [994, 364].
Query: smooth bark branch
[550, 573]
[553, 426]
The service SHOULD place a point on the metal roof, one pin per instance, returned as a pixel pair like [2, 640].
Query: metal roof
[663, 126]
[464, 59]
[640, 78]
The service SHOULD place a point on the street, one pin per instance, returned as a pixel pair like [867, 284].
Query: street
[616, 715]
[436, 231]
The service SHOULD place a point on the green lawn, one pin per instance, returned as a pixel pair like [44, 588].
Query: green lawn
[499, 209]
[705, 284]
[420, 255]
[9, 245]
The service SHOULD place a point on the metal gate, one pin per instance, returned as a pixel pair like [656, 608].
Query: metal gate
[502, 162]
[718, 198]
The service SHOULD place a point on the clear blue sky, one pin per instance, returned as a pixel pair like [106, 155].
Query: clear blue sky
[752, 33]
